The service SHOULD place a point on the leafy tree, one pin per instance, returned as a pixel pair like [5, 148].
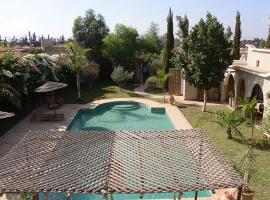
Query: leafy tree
[120, 76]
[7, 90]
[169, 43]
[183, 26]
[205, 55]
[89, 31]
[34, 39]
[237, 37]
[79, 63]
[121, 46]
[162, 79]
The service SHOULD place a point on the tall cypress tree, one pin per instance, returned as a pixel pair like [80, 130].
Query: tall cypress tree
[267, 42]
[237, 37]
[170, 42]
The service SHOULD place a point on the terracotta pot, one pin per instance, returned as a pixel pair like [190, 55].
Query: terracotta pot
[247, 195]
[171, 100]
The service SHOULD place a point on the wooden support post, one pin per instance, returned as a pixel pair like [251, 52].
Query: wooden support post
[196, 195]
[68, 196]
[239, 194]
[46, 196]
[174, 196]
[35, 196]
[180, 195]
[111, 196]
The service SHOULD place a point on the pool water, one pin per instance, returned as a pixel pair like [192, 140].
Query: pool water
[121, 116]
[159, 196]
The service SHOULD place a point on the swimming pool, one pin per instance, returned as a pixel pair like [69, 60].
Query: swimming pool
[121, 116]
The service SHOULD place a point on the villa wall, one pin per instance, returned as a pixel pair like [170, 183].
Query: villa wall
[263, 55]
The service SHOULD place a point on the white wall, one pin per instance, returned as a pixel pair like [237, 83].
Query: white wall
[263, 55]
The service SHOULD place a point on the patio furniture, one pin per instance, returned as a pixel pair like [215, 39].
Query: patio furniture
[50, 87]
[6, 114]
[47, 117]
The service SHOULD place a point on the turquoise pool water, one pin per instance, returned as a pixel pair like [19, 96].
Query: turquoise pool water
[121, 116]
[62, 196]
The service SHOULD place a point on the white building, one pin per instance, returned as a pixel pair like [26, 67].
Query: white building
[248, 77]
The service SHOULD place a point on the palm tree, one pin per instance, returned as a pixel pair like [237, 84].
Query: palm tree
[79, 63]
[231, 120]
[249, 113]
[162, 79]
[6, 90]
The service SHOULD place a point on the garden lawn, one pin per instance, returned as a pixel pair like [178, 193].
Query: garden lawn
[232, 149]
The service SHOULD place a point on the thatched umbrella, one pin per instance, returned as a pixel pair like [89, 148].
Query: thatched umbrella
[6, 114]
[50, 87]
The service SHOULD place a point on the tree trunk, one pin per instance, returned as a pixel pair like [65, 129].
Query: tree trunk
[164, 94]
[78, 85]
[229, 132]
[204, 100]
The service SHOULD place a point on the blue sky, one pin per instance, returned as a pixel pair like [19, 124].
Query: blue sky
[55, 17]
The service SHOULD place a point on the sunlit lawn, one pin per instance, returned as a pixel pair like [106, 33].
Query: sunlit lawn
[231, 149]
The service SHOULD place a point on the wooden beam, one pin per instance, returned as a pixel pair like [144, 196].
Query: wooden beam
[35, 196]
[239, 194]
[68, 196]
[180, 195]
[46, 196]
[196, 195]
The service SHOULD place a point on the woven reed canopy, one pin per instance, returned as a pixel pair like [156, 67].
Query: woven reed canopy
[115, 162]
[50, 86]
[6, 114]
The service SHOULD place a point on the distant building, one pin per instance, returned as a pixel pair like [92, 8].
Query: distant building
[47, 43]
[249, 76]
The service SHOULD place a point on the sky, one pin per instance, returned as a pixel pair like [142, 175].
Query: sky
[55, 17]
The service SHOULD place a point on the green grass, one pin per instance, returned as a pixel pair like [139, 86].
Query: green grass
[99, 90]
[231, 149]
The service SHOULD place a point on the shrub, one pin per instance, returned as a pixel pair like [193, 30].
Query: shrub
[152, 82]
[121, 76]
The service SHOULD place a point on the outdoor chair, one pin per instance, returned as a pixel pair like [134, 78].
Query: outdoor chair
[47, 117]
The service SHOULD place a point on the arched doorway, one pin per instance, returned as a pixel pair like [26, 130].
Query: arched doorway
[257, 92]
[242, 88]
[230, 88]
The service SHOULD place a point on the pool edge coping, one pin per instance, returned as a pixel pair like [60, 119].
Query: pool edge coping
[176, 116]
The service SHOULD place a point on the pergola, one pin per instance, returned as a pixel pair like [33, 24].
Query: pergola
[116, 162]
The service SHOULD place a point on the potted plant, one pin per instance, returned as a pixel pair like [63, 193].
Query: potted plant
[171, 99]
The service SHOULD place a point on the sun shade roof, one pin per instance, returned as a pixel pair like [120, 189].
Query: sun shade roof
[115, 162]
[50, 86]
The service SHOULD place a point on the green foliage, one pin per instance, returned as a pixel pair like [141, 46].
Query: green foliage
[121, 46]
[89, 31]
[155, 64]
[183, 26]
[267, 42]
[169, 42]
[152, 82]
[162, 79]
[205, 54]
[230, 120]
[120, 76]
[237, 37]
[79, 63]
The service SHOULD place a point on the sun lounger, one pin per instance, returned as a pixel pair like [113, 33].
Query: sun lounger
[47, 117]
